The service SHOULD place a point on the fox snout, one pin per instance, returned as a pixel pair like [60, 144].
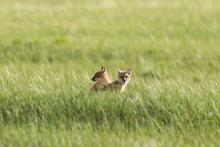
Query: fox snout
[93, 79]
[123, 79]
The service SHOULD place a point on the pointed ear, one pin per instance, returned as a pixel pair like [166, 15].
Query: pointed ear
[119, 72]
[103, 69]
[129, 71]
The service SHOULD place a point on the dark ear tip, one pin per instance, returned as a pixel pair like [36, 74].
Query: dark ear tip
[103, 69]
[129, 70]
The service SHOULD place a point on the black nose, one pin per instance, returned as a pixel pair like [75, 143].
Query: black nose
[93, 79]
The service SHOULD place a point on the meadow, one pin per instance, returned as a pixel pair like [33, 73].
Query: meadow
[50, 49]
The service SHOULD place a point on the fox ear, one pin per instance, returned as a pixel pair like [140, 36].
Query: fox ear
[129, 71]
[103, 69]
[119, 72]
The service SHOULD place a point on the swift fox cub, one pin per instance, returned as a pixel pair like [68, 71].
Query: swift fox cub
[101, 78]
[122, 81]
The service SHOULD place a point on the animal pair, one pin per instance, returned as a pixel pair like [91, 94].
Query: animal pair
[103, 82]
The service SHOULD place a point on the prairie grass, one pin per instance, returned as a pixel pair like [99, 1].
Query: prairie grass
[49, 51]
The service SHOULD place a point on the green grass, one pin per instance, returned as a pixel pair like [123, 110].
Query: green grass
[49, 50]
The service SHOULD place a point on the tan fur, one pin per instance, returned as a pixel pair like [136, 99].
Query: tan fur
[101, 78]
[122, 81]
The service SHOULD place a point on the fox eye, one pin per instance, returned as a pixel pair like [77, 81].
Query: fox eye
[121, 77]
[126, 77]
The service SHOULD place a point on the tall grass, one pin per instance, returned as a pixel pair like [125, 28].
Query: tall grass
[46, 97]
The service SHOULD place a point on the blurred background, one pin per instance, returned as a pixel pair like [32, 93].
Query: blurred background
[162, 37]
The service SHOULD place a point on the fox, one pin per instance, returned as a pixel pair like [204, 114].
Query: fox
[101, 78]
[121, 83]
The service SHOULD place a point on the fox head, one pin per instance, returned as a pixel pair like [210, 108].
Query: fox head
[124, 76]
[100, 75]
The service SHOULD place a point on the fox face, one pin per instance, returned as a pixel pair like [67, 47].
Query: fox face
[124, 76]
[100, 75]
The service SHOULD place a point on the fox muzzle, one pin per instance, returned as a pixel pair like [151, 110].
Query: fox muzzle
[93, 79]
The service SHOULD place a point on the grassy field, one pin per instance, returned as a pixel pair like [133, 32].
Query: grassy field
[50, 49]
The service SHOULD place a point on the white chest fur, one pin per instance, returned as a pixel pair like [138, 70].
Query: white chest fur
[123, 85]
